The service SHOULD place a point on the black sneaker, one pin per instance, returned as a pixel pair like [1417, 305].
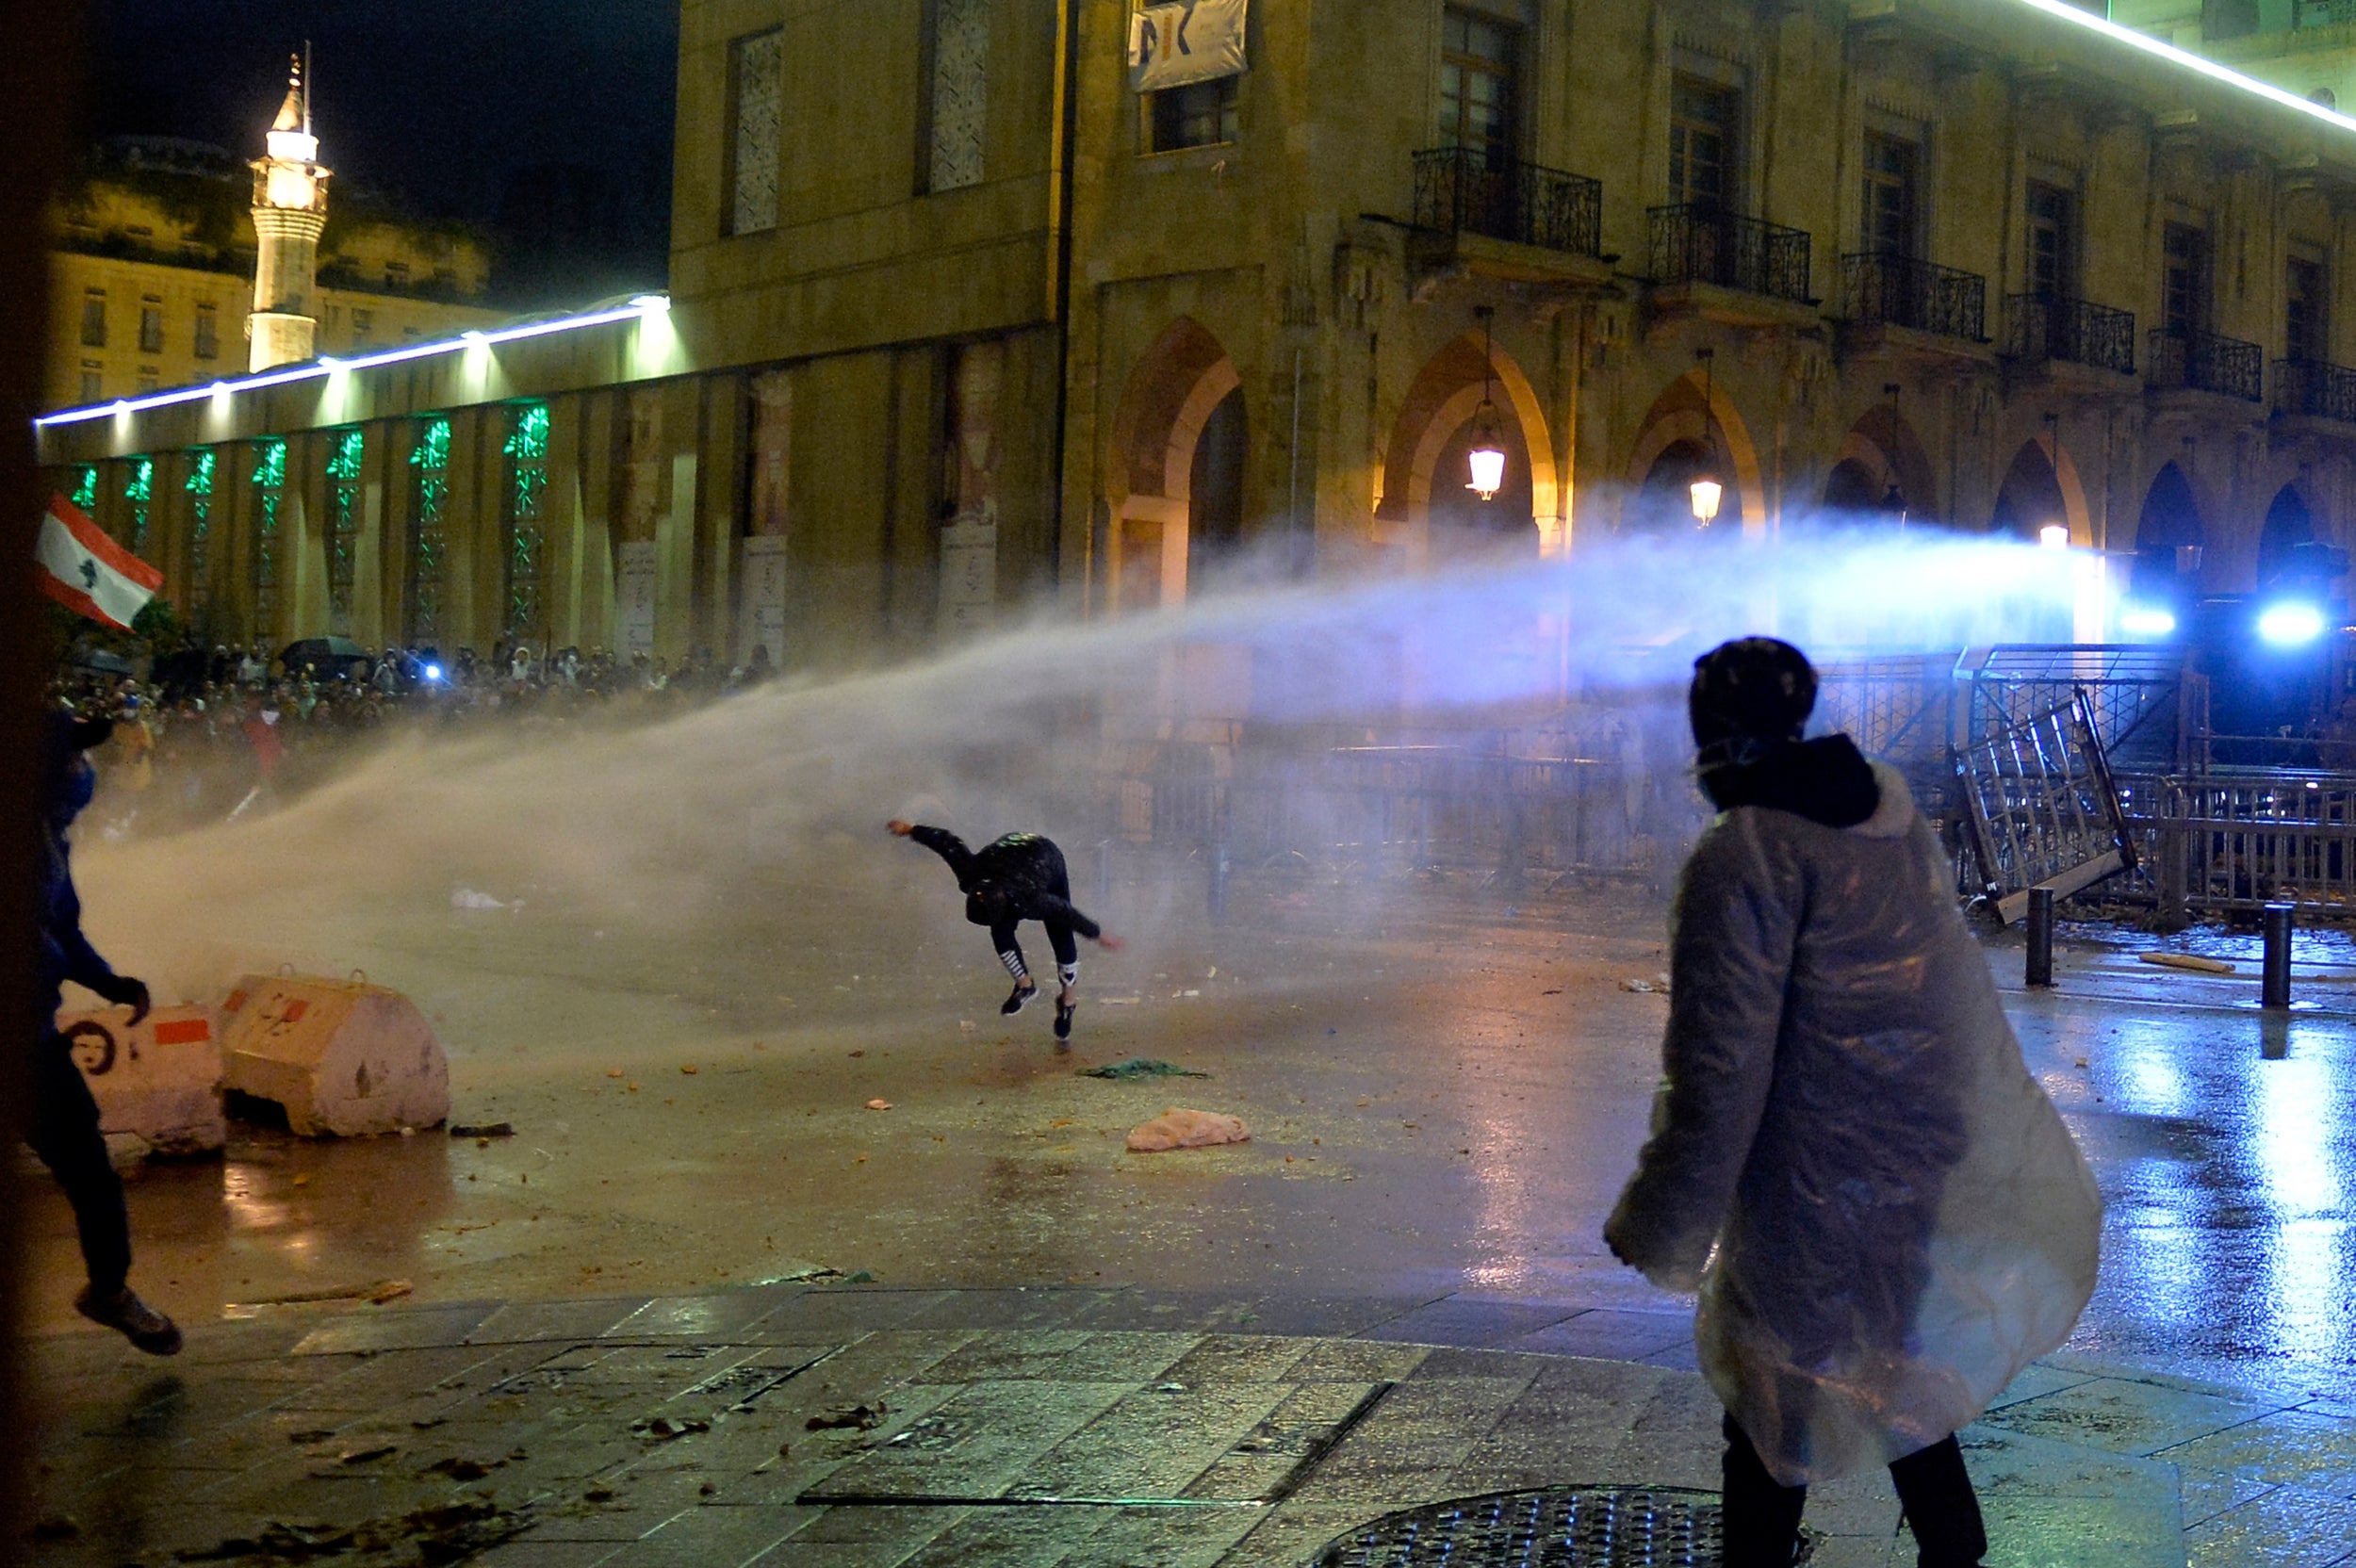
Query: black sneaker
[142, 1325]
[1019, 1000]
[1063, 1018]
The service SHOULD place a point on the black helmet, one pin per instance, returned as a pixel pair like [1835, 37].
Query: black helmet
[1748, 695]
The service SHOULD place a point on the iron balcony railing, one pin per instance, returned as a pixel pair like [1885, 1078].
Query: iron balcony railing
[2203, 362]
[1882, 288]
[1464, 190]
[2051, 326]
[2315, 389]
[1695, 243]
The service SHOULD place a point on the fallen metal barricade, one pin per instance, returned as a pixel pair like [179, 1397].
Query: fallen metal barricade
[2041, 809]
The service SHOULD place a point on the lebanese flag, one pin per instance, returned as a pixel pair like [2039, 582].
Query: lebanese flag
[84, 570]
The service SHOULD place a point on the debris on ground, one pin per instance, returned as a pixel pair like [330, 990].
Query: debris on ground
[1656, 985]
[859, 1417]
[482, 1129]
[663, 1428]
[879, 1104]
[55, 1526]
[462, 1469]
[367, 1456]
[2187, 961]
[466, 898]
[1141, 1066]
[1178, 1128]
[375, 1295]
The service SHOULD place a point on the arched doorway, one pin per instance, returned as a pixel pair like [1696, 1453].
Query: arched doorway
[1178, 388]
[2030, 500]
[2168, 524]
[1425, 501]
[2285, 545]
[1854, 493]
[1683, 440]
[1215, 531]
[1883, 476]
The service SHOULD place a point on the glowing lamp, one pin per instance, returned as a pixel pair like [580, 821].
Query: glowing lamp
[2054, 536]
[2290, 623]
[433, 672]
[1708, 493]
[1488, 470]
[653, 304]
[2143, 620]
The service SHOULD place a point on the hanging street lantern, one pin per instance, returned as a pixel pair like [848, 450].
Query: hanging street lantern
[1488, 453]
[1488, 450]
[2054, 536]
[1708, 493]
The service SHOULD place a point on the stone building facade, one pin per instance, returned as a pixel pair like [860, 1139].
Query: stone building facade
[963, 315]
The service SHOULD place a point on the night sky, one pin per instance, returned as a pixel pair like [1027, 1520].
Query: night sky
[545, 121]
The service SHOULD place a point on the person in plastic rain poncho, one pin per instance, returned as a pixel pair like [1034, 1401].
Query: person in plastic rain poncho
[1885, 1216]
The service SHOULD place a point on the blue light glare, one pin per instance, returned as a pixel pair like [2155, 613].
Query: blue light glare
[2289, 624]
[2142, 620]
[433, 672]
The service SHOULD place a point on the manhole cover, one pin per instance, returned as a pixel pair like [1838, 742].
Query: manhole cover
[1574, 1528]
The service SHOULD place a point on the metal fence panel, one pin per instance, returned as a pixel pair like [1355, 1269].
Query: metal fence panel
[2040, 809]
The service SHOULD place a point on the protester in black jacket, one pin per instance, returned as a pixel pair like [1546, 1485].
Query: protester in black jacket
[64, 1121]
[1010, 880]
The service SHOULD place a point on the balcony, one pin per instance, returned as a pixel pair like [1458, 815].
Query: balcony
[2043, 329]
[1500, 218]
[1693, 244]
[2203, 362]
[2314, 389]
[1915, 309]
[1462, 190]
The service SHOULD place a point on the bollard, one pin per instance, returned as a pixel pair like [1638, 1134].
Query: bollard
[2040, 931]
[2276, 985]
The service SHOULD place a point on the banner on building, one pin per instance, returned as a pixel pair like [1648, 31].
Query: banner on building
[1175, 42]
[634, 576]
[86, 572]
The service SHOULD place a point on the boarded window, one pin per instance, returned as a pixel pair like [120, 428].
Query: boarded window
[756, 91]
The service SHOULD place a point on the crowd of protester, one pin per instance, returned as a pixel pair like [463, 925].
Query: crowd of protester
[211, 734]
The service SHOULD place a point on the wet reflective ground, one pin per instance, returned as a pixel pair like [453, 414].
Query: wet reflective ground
[1446, 1091]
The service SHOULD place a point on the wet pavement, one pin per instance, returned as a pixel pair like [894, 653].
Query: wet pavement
[1126, 1429]
[1446, 1090]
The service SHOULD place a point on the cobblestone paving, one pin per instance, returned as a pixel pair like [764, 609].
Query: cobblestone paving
[1074, 1428]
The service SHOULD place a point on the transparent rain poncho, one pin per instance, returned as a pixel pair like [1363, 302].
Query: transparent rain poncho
[1884, 1214]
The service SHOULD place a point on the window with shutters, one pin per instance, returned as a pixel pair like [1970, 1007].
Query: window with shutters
[2305, 333]
[1702, 117]
[1890, 195]
[1479, 67]
[2053, 240]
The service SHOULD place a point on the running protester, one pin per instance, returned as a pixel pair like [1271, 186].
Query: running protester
[1010, 880]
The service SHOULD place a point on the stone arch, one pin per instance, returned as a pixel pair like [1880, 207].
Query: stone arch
[1173, 394]
[2169, 521]
[2042, 486]
[1677, 438]
[2289, 525]
[1882, 471]
[1431, 426]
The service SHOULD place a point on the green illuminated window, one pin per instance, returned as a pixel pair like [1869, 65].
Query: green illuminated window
[139, 492]
[343, 518]
[270, 487]
[85, 487]
[527, 452]
[430, 507]
[200, 488]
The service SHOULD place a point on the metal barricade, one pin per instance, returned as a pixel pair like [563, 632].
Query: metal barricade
[2040, 809]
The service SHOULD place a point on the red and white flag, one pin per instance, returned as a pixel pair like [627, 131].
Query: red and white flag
[84, 570]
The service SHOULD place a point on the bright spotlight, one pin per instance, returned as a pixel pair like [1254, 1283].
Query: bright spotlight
[433, 672]
[654, 304]
[2143, 620]
[2291, 624]
[2054, 536]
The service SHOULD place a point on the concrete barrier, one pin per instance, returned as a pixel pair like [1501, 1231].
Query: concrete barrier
[159, 1080]
[342, 1057]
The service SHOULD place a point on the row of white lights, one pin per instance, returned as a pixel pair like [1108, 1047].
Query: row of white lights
[638, 308]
